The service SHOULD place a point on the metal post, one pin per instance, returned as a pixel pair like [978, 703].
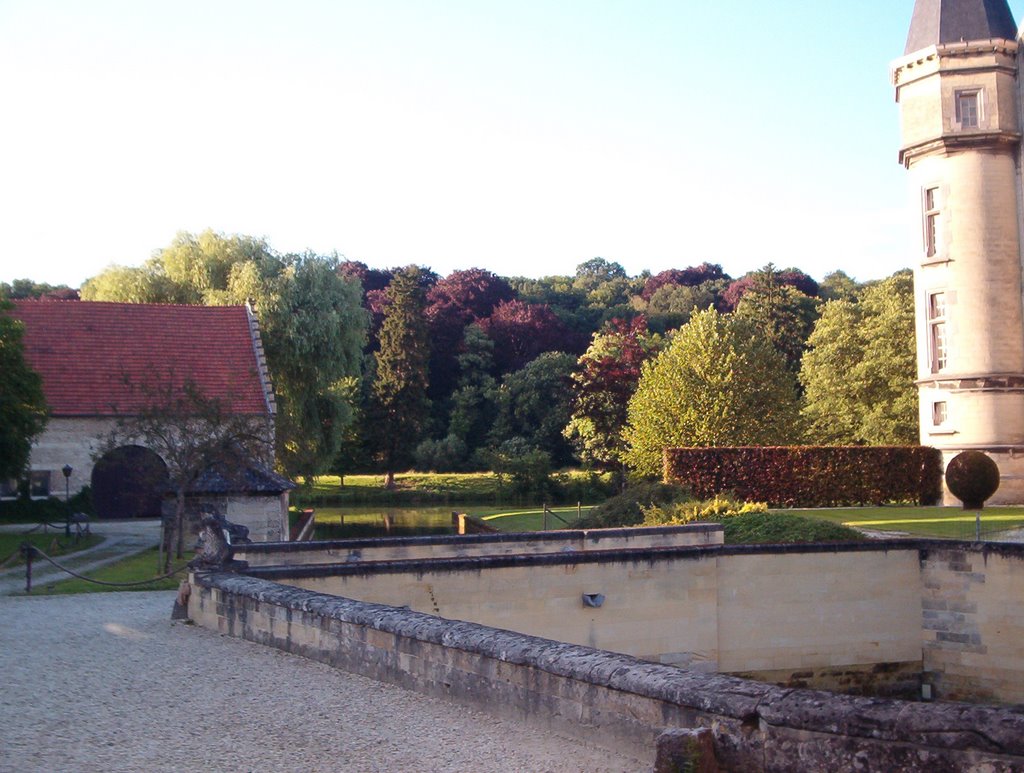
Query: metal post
[977, 526]
[545, 507]
[67, 500]
[29, 551]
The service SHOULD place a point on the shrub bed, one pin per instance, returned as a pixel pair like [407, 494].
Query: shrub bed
[51, 509]
[627, 508]
[810, 476]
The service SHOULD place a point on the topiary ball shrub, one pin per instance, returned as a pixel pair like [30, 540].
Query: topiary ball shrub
[972, 477]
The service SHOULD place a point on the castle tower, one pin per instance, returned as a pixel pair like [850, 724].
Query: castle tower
[961, 141]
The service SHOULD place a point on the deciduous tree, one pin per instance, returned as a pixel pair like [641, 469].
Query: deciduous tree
[312, 323]
[193, 434]
[22, 404]
[521, 331]
[534, 403]
[473, 403]
[858, 375]
[718, 383]
[605, 378]
[793, 277]
[458, 300]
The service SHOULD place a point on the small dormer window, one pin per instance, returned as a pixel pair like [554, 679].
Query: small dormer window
[968, 108]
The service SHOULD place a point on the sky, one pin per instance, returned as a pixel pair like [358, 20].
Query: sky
[521, 137]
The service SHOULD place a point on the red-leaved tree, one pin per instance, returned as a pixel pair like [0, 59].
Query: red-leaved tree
[606, 377]
[521, 331]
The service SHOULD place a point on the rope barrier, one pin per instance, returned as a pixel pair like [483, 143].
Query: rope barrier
[104, 582]
[44, 524]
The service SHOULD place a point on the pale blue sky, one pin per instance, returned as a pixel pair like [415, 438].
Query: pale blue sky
[523, 137]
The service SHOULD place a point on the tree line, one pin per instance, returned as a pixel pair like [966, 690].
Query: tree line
[384, 370]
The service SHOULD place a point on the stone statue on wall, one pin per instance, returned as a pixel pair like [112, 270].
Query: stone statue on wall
[217, 536]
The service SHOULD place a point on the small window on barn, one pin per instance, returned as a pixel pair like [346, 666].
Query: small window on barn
[39, 484]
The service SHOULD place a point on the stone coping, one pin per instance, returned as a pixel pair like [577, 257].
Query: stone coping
[561, 535]
[619, 555]
[952, 726]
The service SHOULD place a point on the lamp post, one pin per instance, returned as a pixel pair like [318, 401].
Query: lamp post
[66, 469]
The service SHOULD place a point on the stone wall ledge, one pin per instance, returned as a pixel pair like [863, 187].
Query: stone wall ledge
[561, 535]
[926, 549]
[943, 727]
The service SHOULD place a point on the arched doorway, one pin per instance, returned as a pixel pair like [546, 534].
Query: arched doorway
[129, 482]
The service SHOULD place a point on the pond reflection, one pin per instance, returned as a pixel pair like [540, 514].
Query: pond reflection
[355, 522]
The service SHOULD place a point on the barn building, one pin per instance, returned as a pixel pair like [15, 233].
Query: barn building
[102, 362]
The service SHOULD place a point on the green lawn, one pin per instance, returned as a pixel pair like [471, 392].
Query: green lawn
[135, 569]
[945, 522]
[52, 543]
[416, 488]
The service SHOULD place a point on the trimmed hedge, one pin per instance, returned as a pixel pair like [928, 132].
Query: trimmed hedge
[810, 476]
[51, 509]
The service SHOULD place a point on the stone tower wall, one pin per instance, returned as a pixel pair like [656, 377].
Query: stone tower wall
[964, 185]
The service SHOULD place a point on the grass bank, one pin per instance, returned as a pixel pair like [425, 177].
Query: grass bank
[52, 543]
[476, 488]
[138, 568]
[941, 522]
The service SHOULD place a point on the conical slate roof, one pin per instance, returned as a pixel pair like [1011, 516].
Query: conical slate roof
[949, 21]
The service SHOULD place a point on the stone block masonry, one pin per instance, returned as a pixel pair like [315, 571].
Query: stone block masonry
[606, 698]
[469, 545]
[715, 608]
[973, 626]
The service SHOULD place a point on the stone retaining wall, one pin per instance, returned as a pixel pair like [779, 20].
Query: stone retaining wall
[973, 610]
[801, 609]
[610, 699]
[468, 545]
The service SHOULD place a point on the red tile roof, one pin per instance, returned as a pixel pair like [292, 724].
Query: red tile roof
[94, 357]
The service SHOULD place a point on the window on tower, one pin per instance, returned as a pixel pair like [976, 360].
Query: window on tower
[937, 339]
[967, 109]
[940, 413]
[931, 222]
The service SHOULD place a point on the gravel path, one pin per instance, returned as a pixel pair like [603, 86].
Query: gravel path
[105, 682]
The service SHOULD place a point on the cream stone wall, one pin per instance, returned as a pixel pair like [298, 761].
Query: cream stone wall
[712, 612]
[659, 611]
[402, 548]
[974, 624]
[978, 238]
[926, 82]
[816, 609]
[69, 441]
[978, 260]
[808, 615]
[265, 516]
